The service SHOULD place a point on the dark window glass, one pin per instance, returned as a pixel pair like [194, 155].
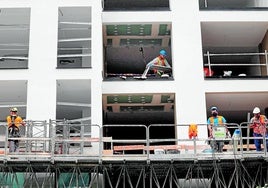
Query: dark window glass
[233, 4]
[135, 5]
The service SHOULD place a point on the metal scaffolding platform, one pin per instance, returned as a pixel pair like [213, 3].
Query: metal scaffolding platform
[64, 155]
[222, 173]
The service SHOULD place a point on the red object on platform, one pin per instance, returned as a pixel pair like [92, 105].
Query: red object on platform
[206, 72]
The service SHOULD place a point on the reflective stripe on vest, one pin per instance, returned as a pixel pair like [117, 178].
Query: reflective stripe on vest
[220, 120]
[262, 119]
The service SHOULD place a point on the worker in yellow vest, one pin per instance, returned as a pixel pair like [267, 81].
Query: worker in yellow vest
[213, 122]
[14, 121]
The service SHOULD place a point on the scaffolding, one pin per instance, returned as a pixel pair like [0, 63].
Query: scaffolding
[60, 154]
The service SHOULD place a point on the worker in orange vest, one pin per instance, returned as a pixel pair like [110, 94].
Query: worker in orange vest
[258, 123]
[159, 61]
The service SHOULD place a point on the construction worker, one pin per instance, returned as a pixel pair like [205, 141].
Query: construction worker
[258, 124]
[14, 122]
[214, 121]
[158, 65]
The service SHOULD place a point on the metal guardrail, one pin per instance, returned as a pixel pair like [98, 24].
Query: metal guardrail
[41, 140]
[211, 64]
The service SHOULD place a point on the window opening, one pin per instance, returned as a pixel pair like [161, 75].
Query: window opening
[138, 109]
[128, 48]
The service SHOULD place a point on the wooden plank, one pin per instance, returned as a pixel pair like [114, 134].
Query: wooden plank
[129, 147]
[198, 147]
[244, 146]
[176, 147]
[164, 147]
[107, 152]
[77, 139]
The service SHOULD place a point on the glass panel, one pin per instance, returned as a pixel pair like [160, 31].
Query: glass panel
[13, 94]
[233, 4]
[74, 100]
[74, 107]
[135, 5]
[14, 40]
[74, 37]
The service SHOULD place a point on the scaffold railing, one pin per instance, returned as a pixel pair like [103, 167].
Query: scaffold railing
[62, 154]
[60, 140]
[229, 61]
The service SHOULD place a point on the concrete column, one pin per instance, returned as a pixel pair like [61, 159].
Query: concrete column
[188, 67]
[41, 94]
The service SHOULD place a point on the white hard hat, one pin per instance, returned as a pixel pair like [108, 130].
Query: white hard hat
[13, 109]
[256, 110]
[214, 108]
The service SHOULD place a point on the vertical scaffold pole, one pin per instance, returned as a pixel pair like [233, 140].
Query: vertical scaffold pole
[266, 61]
[82, 132]
[206, 4]
[209, 66]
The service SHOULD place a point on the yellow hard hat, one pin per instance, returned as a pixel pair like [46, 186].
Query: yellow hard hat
[13, 110]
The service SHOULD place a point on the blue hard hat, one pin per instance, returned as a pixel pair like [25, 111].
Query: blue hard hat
[163, 52]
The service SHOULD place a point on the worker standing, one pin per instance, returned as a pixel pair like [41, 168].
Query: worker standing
[258, 124]
[213, 122]
[14, 121]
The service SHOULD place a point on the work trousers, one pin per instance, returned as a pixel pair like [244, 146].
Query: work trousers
[217, 145]
[13, 145]
[259, 140]
[13, 131]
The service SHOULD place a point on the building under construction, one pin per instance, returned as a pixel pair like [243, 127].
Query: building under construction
[74, 70]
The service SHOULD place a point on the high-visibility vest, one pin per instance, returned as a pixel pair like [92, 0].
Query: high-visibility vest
[161, 61]
[16, 121]
[220, 119]
[262, 119]
[259, 128]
